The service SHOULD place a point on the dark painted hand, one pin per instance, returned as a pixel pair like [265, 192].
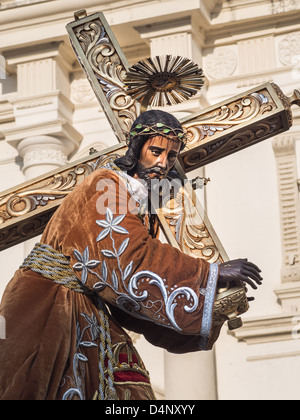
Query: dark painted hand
[242, 270]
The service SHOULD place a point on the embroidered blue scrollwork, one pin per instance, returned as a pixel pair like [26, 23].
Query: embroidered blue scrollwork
[169, 299]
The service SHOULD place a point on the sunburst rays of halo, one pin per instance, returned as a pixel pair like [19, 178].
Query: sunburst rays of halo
[163, 80]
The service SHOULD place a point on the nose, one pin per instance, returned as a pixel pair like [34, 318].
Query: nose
[162, 161]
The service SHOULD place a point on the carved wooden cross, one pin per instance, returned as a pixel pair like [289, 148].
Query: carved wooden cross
[213, 133]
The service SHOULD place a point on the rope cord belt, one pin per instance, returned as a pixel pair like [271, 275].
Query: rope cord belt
[46, 261]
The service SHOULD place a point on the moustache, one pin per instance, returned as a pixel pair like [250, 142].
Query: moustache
[155, 170]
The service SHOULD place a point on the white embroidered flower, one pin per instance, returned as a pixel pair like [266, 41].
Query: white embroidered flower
[110, 224]
[84, 263]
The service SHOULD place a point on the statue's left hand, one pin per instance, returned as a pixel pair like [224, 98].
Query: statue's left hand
[240, 269]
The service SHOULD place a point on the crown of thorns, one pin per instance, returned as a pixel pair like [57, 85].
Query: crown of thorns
[158, 129]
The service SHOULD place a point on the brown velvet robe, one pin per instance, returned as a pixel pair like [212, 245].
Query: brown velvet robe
[53, 339]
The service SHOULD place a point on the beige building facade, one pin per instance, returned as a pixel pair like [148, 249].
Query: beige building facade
[49, 116]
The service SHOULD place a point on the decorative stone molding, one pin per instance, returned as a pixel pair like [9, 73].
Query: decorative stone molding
[282, 6]
[43, 153]
[285, 153]
[257, 55]
[81, 91]
[220, 63]
[289, 48]
[44, 156]
[254, 81]
[176, 37]
[289, 297]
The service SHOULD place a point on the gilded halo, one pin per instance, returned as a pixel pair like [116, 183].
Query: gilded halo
[163, 80]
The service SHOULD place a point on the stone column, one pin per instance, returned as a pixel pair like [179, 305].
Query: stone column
[42, 154]
[190, 376]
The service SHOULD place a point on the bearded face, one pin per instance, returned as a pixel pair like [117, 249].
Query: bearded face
[157, 157]
[148, 174]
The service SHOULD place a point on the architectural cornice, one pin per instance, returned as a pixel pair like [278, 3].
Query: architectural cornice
[288, 295]
[58, 50]
[40, 101]
[269, 329]
[47, 20]
[118, 12]
[242, 11]
[58, 128]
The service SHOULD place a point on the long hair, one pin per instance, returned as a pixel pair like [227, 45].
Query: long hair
[129, 161]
